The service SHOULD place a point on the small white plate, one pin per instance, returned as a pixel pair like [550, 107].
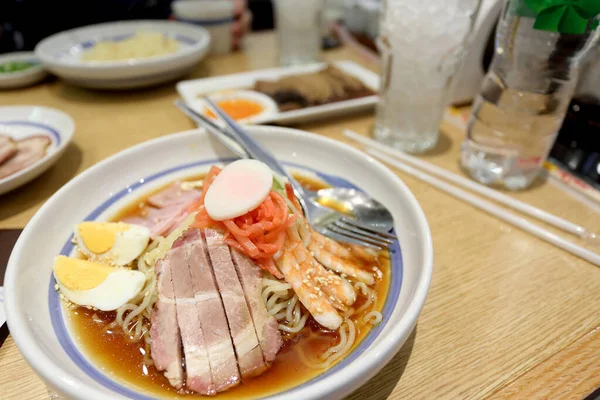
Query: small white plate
[61, 54]
[34, 313]
[13, 80]
[190, 90]
[23, 121]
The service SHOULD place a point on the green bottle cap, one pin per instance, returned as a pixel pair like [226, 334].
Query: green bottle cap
[562, 16]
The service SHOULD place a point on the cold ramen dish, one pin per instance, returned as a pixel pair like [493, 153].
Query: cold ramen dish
[218, 286]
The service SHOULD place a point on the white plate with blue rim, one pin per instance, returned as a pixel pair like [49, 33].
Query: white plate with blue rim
[23, 122]
[20, 69]
[62, 54]
[40, 324]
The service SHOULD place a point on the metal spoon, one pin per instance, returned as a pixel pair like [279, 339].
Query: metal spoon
[356, 204]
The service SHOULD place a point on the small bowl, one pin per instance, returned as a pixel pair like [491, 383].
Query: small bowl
[13, 80]
[269, 106]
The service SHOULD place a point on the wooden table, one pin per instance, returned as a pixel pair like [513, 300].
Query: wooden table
[507, 316]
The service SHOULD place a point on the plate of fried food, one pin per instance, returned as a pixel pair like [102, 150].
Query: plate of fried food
[287, 95]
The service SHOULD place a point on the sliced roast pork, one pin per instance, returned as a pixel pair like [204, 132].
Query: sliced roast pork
[241, 327]
[266, 326]
[29, 150]
[211, 312]
[197, 366]
[210, 305]
[166, 340]
[168, 209]
[8, 148]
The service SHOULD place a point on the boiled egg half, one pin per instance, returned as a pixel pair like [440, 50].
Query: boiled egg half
[240, 187]
[88, 283]
[112, 243]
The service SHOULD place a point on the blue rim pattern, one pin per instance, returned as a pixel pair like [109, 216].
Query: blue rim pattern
[50, 129]
[62, 333]
[207, 22]
[90, 43]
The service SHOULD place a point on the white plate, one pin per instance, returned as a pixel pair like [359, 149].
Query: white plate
[61, 54]
[190, 90]
[23, 121]
[13, 80]
[34, 312]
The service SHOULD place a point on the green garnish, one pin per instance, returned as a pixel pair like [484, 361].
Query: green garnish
[277, 186]
[15, 66]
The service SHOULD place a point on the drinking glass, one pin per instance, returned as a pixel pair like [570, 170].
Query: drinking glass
[422, 44]
[299, 31]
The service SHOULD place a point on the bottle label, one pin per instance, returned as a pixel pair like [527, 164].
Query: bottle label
[562, 16]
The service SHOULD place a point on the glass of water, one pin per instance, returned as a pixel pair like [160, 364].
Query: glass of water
[299, 31]
[422, 44]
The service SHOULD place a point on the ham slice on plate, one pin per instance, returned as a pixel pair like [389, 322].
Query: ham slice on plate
[29, 150]
[8, 148]
[169, 208]
[173, 196]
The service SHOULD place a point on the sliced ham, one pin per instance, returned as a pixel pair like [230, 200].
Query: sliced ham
[160, 221]
[212, 314]
[166, 340]
[29, 150]
[8, 148]
[241, 327]
[266, 326]
[173, 195]
[197, 366]
[169, 208]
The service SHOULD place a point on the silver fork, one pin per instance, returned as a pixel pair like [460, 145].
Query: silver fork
[324, 220]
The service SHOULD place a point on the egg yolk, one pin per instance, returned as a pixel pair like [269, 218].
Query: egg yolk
[77, 274]
[99, 237]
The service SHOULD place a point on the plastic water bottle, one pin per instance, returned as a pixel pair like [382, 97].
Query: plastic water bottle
[527, 90]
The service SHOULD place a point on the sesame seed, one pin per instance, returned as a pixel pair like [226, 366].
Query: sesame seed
[319, 310]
